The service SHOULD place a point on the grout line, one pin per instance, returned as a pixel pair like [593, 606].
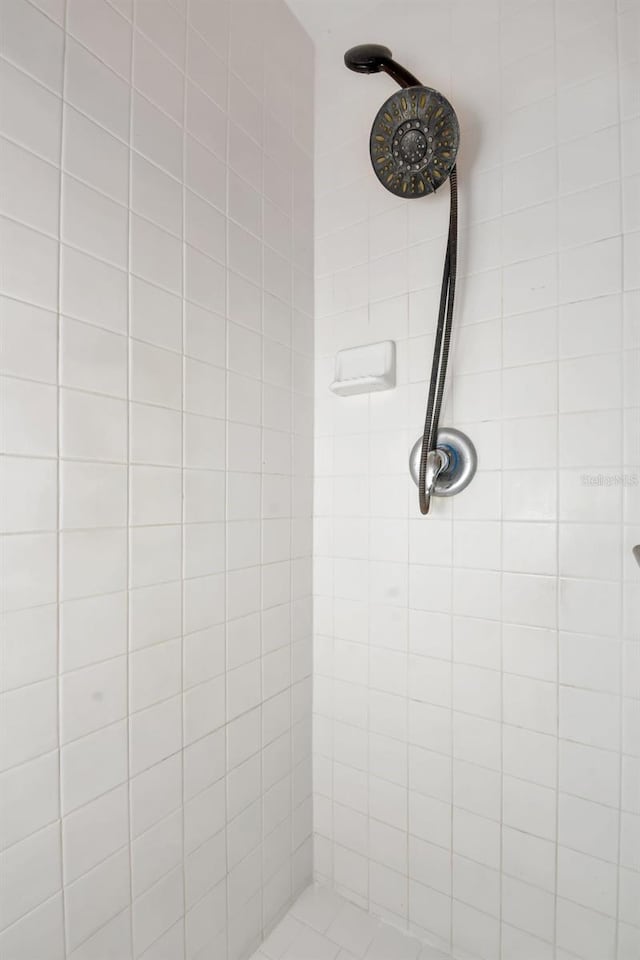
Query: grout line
[502, 505]
[183, 516]
[558, 491]
[128, 492]
[59, 585]
[227, 925]
[621, 675]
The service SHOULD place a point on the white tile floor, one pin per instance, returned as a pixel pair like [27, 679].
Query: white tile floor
[323, 926]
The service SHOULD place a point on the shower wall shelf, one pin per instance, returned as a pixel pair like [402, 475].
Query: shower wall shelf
[366, 369]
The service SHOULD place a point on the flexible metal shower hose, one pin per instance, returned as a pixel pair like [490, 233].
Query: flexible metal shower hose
[441, 346]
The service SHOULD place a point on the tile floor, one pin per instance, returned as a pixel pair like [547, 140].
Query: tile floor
[324, 926]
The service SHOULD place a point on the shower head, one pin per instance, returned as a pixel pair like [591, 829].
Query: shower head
[415, 136]
[374, 58]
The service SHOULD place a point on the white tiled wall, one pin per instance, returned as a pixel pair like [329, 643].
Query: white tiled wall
[155, 426]
[477, 692]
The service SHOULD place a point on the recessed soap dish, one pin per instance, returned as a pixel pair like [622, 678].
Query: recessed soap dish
[366, 369]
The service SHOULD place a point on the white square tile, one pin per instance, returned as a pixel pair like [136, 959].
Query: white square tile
[30, 264]
[204, 121]
[29, 798]
[155, 674]
[34, 869]
[29, 646]
[40, 930]
[156, 375]
[107, 616]
[29, 418]
[28, 338]
[155, 195]
[97, 897]
[115, 936]
[205, 174]
[208, 72]
[92, 427]
[31, 193]
[156, 135]
[92, 290]
[476, 885]
[93, 359]
[155, 614]
[590, 606]
[165, 26]
[32, 116]
[155, 435]
[204, 335]
[92, 562]
[205, 281]
[528, 858]
[94, 223]
[156, 852]
[92, 698]
[577, 721]
[585, 931]
[588, 827]
[29, 570]
[155, 494]
[580, 389]
[155, 555]
[92, 87]
[204, 389]
[96, 24]
[91, 154]
[530, 547]
[540, 748]
[94, 832]
[588, 772]
[203, 549]
[530, 703]
[530, 808]
[155, 734]
[156, 256]
[33, 42]
[156, 315]
[30, 725]
[93, 495]
[530, 390]
[157, 78]
[590, 271]
[30, 494]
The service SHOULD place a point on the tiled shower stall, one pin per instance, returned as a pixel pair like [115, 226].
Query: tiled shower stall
[156, 425]
[234, 657]
[477, 672]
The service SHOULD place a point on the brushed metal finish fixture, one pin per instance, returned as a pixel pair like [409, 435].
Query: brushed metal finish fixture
[450, 467]
[636, 552]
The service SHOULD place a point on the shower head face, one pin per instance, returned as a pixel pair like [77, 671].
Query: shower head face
[367, 58]
[414, 142]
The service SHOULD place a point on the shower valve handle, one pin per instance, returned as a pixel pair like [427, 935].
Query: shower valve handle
[437, 461]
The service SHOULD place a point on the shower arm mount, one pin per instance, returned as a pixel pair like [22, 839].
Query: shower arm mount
[374, 58]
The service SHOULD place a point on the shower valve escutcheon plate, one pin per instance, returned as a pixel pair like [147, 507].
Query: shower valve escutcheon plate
[458, 458]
